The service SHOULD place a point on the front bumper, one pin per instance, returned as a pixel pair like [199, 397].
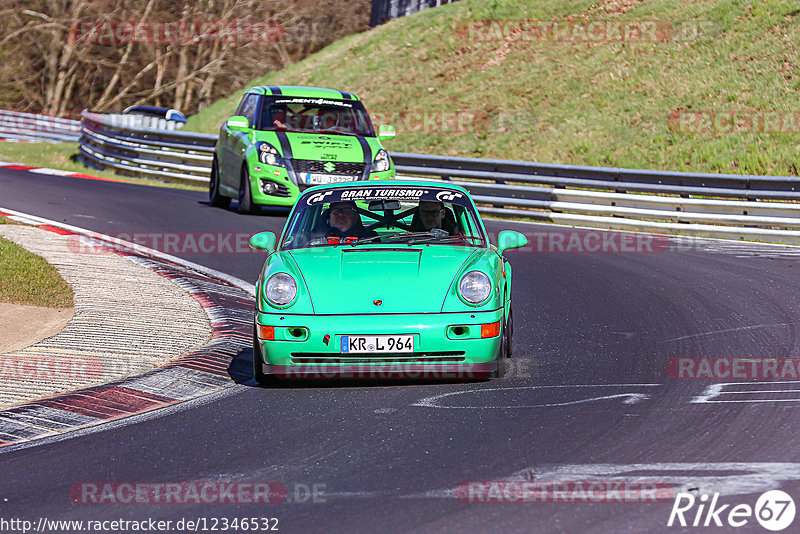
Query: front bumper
[287, 183]
[427, 371]
[307, 346]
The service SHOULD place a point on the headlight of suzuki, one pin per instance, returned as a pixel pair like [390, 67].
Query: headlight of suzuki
[381, 162]
[475, 287]
[268, 154]
[281, 289]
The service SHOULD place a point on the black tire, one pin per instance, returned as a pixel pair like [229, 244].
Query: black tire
[214, 196]
[245, 195]
[258, 372]
[502, 356]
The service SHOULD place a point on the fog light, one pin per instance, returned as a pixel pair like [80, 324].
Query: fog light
[269, 187]
[490, 330]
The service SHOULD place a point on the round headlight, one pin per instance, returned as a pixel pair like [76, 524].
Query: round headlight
[475, 287]
[270, 158]
[281, 289]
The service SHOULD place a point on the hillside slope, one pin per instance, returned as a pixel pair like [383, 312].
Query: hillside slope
[455, 88]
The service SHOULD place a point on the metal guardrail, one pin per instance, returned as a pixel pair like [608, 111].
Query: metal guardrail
[31, 127]
[386, 10]
[162, 154]
[765, 208]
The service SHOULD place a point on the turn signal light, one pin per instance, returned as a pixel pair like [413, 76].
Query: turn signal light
[266, 332]
[490, 330]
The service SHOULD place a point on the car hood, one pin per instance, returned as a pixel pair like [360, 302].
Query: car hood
[405, 279]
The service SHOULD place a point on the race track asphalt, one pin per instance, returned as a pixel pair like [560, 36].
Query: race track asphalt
[588, 396]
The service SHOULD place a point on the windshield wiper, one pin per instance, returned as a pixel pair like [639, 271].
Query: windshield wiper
[338, 132]
[444, 238]
[372, 239]
[361, 240]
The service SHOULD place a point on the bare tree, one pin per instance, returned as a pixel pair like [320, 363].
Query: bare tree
[57, 56]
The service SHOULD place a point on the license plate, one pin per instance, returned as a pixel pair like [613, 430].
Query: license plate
[377, 344]
[327, 178]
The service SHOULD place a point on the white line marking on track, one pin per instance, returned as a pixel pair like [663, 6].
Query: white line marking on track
[729, 330]
[630, 398]
[713, 391]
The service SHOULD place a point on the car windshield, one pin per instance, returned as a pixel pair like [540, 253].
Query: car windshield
[360, 216]
[315, 115]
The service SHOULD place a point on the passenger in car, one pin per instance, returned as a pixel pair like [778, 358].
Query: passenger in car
[431, 214]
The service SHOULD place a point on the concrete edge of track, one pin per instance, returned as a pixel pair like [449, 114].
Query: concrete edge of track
[227, 301]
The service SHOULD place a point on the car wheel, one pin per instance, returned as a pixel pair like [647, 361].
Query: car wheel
[245, 196]
[258, 373]
[502, 356]
[217, 200]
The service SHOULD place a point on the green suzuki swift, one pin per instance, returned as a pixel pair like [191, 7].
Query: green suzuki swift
[383, 279]
[285, 139]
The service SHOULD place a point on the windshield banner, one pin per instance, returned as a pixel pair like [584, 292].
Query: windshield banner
[414, 194]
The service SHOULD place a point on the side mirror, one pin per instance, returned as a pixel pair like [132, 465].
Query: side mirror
[509, 239]
[264, 241]
[386, 131]
[238, 123]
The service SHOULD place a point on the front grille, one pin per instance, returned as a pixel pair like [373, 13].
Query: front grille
[341, 168]
[413, 357]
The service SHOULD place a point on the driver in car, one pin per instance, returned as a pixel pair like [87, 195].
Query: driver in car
[345, 222]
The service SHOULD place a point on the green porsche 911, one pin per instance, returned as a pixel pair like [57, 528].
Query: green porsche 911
[285, 139]
[383, 279]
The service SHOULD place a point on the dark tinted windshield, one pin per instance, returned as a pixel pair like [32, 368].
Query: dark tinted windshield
[315, 115]
[383, 215]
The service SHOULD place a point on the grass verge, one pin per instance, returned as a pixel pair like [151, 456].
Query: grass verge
[586, 102]
[26, 278]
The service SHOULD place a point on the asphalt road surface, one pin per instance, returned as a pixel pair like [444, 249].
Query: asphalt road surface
[588, 398]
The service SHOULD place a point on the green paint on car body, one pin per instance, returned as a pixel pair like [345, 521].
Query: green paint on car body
[389, 275]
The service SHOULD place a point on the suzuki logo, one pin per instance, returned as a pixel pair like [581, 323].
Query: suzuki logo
[329, 167]
[377, 302]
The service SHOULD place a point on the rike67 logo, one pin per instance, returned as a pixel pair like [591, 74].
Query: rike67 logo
[774, 510]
